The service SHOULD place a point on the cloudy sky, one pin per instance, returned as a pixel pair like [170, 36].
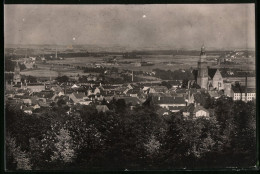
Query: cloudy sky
[135, 26]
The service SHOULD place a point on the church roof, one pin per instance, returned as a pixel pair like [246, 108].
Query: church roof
[212, 72]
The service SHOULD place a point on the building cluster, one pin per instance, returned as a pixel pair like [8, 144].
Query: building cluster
[32, 97]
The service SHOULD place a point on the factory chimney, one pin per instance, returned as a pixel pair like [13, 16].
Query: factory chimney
[132, 76]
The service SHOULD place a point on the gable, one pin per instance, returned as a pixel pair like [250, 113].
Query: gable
[217, 75]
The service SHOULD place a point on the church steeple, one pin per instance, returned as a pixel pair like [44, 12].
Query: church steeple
[202, 54]
[202, 78]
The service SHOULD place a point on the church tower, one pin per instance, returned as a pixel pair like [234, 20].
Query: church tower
[202, 78]
[17, 76]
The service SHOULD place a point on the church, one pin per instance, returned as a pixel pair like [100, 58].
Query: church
[206, 77]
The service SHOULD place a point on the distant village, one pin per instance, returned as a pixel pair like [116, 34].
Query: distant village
[31, 98]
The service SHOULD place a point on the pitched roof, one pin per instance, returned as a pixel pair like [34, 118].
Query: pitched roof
[242, 89]
[212, 72]
[133, 91]
[159, 88]
[198, 108]
[189, 108]
[176, 107]
[79, 95]
[169, 100]
[131, 100]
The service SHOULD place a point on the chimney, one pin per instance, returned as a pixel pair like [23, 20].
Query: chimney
[246, 89]
[132, 76]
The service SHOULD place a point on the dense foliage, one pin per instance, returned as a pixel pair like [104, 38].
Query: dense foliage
[10, 65]
[130, 139]
[173, 75]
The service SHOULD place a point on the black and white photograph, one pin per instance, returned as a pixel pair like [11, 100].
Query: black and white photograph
[129, 87]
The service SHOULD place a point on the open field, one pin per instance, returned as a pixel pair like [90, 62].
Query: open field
[53, 68]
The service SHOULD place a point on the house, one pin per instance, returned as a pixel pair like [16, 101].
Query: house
[85, 102]
[132, 101]
[175, 83]
[200, 111]
[243, 94]
[37, 106]
[56, 89]
[133, 92]
[35, 87]
[27, 110]
[195, 111]
[102, 108]
[158, 89]
[166, 102]
[163, 112]
[27, 101]
[43, 104]
[75, 86]
[146, 89]
[79, 97]
[93, 91]
[175, 108]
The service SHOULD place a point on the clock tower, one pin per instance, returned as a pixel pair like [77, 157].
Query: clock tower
[202, 78]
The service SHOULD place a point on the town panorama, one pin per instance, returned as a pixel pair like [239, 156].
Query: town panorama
[130, 87]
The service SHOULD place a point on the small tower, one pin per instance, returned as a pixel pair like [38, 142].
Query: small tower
[202, 78]
[17, 76]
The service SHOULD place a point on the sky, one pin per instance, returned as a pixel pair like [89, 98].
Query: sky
[133, 26]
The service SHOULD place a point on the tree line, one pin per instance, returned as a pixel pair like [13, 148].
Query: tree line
[132, 139]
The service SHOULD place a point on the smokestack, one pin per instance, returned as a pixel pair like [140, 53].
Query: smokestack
[246, 89]
[56, 53]
[132, 76]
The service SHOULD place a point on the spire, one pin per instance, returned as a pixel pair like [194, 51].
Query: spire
[203, 52]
